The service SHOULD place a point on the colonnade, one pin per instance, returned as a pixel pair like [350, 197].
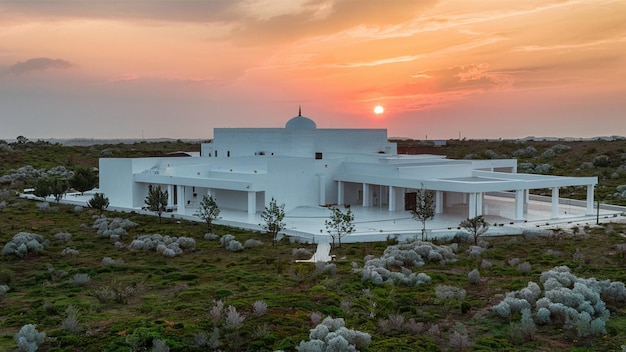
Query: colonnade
[474, 200]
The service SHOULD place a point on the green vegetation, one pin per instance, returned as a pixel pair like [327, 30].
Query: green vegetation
[98, 202]
[156, 200]
[208, 211]
[88, 289]
[273, 216]
[339, 224]
[424, 208]
[84, 179]
[134, 297]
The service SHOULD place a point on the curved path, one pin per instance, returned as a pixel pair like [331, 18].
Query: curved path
[322, 254]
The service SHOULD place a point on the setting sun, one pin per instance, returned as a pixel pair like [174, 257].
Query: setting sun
[379, 110]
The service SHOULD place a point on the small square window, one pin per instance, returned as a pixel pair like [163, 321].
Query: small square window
[318, 156]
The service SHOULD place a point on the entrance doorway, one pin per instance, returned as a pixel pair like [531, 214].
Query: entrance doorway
[410, 198]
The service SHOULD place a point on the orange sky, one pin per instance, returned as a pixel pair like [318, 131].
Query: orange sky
[179, 68]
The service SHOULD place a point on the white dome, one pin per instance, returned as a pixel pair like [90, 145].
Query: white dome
[300, 123]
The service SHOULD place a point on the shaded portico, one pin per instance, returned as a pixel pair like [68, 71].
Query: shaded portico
[466, 191]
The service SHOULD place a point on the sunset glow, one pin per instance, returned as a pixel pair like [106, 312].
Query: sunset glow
[509, 69]
[378, 110]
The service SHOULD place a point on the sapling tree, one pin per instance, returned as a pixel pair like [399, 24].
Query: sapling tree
[156, 200]
[424, 208]
[208, 211]
[273, 216]
[340, 224]
[476, 226]
[99, 202]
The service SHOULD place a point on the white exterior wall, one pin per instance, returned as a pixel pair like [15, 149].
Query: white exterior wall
[292, 181]
[301, 143]
[116, 181]
[436, 171]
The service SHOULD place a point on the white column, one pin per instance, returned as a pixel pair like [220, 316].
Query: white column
[555, 202]
[366, 195]
[392, 198]
[479, 203]
[180, 199]
[472, 205]
[340, 200]
[519, 204]
[321, 186]
[526, 201]
[170, 195]
[590, 200]
[251, 203]
[438, 202]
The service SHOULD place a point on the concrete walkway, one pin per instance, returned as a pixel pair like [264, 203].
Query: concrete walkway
[322, 254]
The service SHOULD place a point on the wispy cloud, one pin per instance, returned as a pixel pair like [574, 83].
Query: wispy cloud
[391, 60]
[574, 46]
[39, 64]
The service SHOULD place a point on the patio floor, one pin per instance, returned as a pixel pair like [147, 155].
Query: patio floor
[377, 223]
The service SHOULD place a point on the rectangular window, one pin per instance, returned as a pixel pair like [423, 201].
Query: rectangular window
[318, 156]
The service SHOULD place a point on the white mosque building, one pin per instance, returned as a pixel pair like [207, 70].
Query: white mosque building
[303, 166]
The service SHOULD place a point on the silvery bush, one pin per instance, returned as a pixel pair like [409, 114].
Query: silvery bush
[28, 338]
[332, 335]
[165, 245]
[574, 303]
[395, 263]
[25, 243]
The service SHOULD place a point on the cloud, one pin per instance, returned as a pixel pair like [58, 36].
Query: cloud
[39, 64]
[321, 17]
[157, 10]
[464, 77]
[569, 47]
[391, 60]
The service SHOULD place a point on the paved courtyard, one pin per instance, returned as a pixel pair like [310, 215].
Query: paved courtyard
[377, 223]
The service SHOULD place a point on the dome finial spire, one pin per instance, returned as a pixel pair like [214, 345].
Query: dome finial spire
[299, 110]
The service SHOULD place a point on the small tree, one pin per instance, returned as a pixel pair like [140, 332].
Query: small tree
[208, 211]
[156, 200]
[42, 188]
[98, 201]
[273, 216]
[340, 224]
[58, 187]
[424, 208]
[476, 227]
[84, 179]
